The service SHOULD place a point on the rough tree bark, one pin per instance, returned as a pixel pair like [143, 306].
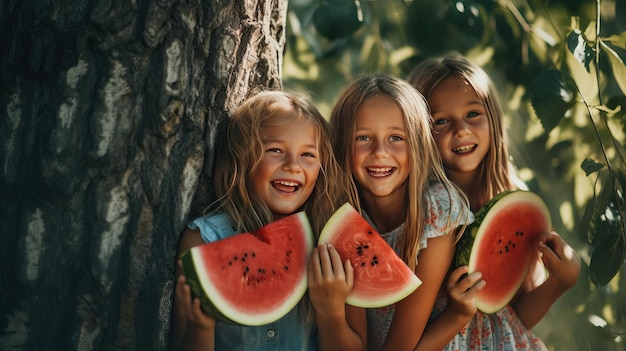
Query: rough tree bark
[107, 125]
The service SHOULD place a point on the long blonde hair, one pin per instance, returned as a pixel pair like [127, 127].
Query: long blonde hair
[494, 171]
[425, 161]
[243, 151]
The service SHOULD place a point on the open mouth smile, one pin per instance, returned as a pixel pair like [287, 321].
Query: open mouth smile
[286, 186]
[464, 149]
[380, 171]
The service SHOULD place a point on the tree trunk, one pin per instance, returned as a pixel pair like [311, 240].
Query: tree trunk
[108, 119]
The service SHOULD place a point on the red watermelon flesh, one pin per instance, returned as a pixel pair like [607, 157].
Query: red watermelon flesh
[252, 278]
[381, 278]
[503, 242]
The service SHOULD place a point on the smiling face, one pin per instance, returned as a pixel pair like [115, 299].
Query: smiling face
[381, 153]
[286, 175]
[461, 127]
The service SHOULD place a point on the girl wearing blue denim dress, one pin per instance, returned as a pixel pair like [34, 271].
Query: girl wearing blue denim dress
[276, 160]
[468, 130]
[382, 138]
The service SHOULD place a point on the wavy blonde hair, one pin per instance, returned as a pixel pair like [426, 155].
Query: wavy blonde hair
[242, 153]
[495, 170]
[425, 161]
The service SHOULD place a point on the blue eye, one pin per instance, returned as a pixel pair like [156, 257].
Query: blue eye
[362, 138]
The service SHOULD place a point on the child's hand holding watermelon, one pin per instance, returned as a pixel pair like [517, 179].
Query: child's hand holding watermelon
[563, 266]
[330, 282]
[462, 289]
[191, 308]
[561, 261]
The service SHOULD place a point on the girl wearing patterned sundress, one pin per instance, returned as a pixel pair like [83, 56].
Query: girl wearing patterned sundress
[381, 136]
[468, 130]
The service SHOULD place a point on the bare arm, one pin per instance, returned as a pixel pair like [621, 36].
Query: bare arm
[341, 327]
[412, 313]
[563, 267]
[192, 329]
[460, 310]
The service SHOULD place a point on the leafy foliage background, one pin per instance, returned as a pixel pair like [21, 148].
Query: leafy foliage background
[559, 66]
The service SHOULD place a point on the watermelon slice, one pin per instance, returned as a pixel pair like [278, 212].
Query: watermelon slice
[501, 244]
[252, 278]
[381, 278]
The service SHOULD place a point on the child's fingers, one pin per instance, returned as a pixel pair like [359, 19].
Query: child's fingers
[326, 263]
[349, 273]
[186, 300]
[475, 289]
[549, 256]
[336, 261]
[456, 275]
[468, 282]
[315, 269]
[555, 242]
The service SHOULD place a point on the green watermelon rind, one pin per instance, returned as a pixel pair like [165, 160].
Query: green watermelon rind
[464, 246]
[476, 230]
[328, 234]
[193, 281]
[223, 310]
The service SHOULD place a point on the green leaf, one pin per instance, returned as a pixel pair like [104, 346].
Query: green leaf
[587, 221]
[578, 47]
[554, 93]
[617, 65]
[590, 166]
[607, 259]
[606, 333]
[602, 216]
[608, 256]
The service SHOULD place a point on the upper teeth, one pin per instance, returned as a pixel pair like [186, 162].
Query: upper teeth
[464, 148]
[286, 183]
[386, 169]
